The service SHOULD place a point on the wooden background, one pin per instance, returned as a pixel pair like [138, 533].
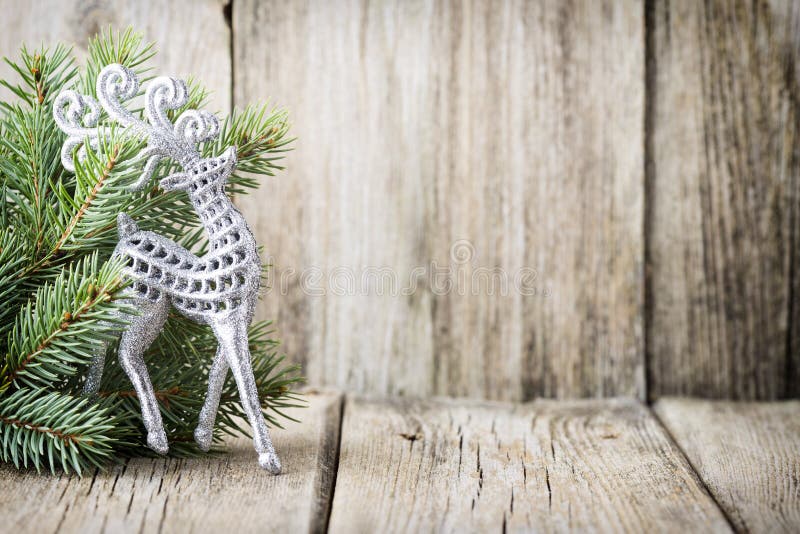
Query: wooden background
[635, 164]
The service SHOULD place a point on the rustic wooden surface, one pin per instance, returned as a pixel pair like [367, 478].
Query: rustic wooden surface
[724, 181]
[748, 454]
[515, 126]
[192, 38]
[227, 493]
[411, 466]
[402, 465]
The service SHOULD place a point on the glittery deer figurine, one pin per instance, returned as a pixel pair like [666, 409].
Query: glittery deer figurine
[218, 289]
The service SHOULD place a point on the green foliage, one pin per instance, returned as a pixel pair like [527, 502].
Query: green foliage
[41, 427]
[59, 288]
[59, 329]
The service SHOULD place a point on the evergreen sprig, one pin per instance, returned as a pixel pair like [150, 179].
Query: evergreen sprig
[60, 328]
[41, 427]
[59, 288]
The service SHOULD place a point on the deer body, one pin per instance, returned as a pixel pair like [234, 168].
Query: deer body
[206, 289]
[218, 289]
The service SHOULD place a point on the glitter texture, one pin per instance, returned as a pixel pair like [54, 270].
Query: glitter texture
[218, 289]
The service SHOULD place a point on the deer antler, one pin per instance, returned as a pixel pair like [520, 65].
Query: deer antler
[78, 116]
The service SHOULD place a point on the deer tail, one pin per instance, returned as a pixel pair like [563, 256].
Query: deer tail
[125, 226]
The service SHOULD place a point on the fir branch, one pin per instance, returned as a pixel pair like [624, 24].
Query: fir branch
[259, 133]
[101, 180]
[41, 428]
[126, 48]
[43, 73]
[13, 257]
[71, 318]
[162, 396]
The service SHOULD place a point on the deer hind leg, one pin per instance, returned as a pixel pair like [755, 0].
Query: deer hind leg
[204, 433]
[94, 373]
[140, 334]
[233, 340]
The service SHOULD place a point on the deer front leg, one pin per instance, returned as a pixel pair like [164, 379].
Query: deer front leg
[140, 334]
[232, 336]
[204, 433]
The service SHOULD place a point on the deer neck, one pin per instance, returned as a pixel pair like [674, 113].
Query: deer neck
[224, 225]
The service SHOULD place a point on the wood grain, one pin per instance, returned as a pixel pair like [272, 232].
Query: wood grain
[723, 185]
[418, 466]
[193, 38]
[227, 493]
[451, 152]
[748, 455]
[475, 137]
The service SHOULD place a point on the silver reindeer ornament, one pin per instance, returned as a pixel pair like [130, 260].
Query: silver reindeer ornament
[218, 289]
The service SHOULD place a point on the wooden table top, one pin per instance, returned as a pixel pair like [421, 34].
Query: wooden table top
[363, 465]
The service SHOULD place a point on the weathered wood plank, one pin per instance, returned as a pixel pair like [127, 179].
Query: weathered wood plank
[193, 38]
[724, 181]
[448, 466]
[454, 143]
[227, 493]
[748, 455]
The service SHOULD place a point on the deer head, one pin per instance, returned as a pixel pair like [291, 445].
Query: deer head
[79, 115]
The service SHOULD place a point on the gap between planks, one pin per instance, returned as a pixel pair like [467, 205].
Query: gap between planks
[748, 454]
